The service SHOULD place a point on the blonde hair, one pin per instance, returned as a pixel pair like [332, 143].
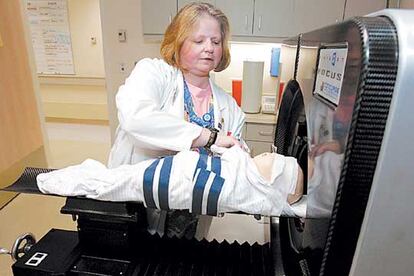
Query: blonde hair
[181, 27]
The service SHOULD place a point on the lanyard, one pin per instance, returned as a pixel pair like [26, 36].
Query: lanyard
[207, 120]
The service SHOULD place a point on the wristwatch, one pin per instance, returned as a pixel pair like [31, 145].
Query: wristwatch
[212, 139]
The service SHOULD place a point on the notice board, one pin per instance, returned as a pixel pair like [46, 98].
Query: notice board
[50, 33]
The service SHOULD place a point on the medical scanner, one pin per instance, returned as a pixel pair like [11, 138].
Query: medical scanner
[345, 116]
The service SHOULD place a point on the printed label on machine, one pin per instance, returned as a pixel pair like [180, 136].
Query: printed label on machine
[329, 72]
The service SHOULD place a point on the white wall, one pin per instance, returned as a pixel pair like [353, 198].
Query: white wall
[251, 52]
[84, 23]
[115, 15]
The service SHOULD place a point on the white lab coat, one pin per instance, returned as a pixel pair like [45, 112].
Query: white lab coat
[151, 114]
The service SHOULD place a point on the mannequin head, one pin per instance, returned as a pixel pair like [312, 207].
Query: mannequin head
[264, 164]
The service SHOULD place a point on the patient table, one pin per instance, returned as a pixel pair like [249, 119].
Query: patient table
[111, 239]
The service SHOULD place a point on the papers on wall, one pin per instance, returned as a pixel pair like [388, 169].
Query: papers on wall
[49, 27]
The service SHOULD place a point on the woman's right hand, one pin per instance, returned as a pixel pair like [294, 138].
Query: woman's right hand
[319, 149]
[221, 141]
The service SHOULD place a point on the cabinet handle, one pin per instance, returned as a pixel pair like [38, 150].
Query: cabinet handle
[246, 22]
[260, 23]
[264, 133]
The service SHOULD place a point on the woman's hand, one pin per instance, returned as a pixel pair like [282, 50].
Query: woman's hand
[227, 141]
[221, 141]
[317, 150]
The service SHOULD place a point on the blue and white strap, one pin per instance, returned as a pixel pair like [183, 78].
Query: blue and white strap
[207, 162]
[207, 186]
[163, 184]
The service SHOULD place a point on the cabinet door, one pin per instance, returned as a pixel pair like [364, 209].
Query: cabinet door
[314, 14]
[157, 14]
[360, 8]
[240, 15]
[260, 132]
[182, 3]
[406, 4]
[274, 18]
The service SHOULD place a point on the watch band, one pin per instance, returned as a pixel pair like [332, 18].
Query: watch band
[212, 139]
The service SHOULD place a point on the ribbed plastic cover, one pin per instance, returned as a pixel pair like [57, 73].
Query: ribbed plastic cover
[171, 256]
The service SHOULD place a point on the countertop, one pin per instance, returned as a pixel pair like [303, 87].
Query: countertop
[261, 118]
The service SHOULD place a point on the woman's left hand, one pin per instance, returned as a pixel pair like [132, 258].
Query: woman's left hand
[227, 141]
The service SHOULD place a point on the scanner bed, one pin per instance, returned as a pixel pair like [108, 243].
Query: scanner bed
[112, 240]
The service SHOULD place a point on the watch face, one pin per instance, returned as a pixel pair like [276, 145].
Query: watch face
[213, 137]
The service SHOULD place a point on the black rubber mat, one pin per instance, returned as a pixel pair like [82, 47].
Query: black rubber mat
[27, 181]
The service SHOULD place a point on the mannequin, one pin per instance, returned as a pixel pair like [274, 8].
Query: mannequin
[264, 164]
[231, 181]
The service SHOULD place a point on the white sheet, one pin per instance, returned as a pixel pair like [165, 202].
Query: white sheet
[231, 184]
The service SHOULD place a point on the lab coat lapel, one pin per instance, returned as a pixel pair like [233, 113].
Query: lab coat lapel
[177, 102]
[219, 108]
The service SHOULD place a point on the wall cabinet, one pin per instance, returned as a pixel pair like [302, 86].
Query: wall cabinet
[156, 15]
[274, 18]
[280, 18]
[405, 4]
[268, 18]
[182, 3]
[240, 15]
[359, 8]
[263, 18]
[314, 14]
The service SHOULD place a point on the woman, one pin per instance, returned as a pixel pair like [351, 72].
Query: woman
[171, 105]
